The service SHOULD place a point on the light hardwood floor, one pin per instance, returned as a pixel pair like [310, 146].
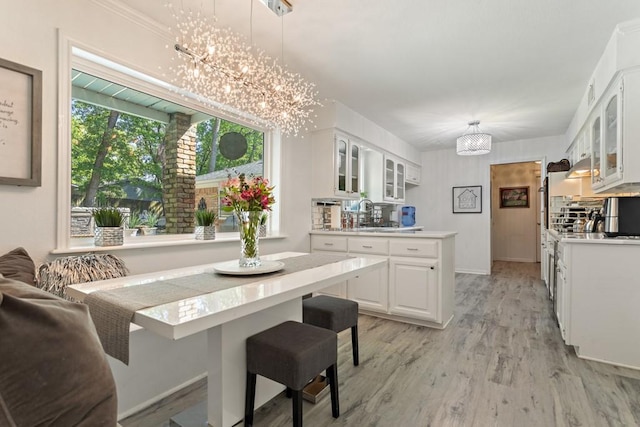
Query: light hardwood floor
[501, 362]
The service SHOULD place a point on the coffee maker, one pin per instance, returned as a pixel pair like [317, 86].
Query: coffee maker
[621, 216]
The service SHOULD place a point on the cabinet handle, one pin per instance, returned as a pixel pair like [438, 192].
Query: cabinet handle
[328, 244]
[367, 246]
[432, 267]
[412, 249]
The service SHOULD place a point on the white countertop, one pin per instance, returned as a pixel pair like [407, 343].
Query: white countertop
[188, 316]
[592, 238]
[411, 232]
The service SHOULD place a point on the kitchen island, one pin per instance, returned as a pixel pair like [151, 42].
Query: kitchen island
[598, 296]
[416, 285]
[229, 315]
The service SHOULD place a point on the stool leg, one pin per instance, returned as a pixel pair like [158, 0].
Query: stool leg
[288, 392]
[249, 399]
[332, 374]
[354, 345]
[297, 408]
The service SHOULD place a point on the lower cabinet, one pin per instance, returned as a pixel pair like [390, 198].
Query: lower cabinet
[370, 290]
[416, 286]
[414, 290]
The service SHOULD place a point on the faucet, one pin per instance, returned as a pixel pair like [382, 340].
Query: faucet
[367, 211]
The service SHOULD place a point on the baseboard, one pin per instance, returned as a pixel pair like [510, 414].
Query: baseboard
[516, 260]
[155, 399]
[465, 271]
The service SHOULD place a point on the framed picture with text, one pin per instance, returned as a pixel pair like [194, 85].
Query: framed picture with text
[467, 199]
[20, 124]
[514, 197]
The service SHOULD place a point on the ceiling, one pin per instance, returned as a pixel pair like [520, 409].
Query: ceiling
[423, 69]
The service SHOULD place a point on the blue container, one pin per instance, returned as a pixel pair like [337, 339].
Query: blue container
[408, 216]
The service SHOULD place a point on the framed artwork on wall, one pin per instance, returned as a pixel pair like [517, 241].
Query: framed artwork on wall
[467, 199]
[20, 124]
[514, 197]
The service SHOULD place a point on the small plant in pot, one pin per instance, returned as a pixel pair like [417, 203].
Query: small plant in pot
[134, 223]
[151, 224]
[205, 224]
[109, 230]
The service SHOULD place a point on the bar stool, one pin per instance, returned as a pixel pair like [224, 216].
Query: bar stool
[291, 353]
[335, 314]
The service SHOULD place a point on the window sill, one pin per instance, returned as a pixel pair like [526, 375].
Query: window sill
[145, 242]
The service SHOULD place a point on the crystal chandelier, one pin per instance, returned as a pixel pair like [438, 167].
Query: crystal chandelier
[218, 65]
[473, 141]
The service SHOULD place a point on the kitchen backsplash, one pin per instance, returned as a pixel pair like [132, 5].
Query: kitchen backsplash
[330, 214]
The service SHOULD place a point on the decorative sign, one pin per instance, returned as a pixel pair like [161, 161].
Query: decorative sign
[20, 124]
[467, 199]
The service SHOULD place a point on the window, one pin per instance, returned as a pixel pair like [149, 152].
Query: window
[147, 153]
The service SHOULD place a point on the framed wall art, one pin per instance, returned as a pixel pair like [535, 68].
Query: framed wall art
[467, 199]
[514, 197]
[20, 124]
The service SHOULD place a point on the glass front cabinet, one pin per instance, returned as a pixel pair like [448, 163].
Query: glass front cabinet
[394, 177]
[606, 138]
[347, 167]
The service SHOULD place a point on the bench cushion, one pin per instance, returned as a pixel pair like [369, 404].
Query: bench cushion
[53, 369]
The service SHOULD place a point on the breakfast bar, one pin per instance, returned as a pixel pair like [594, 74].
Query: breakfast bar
[232, 314]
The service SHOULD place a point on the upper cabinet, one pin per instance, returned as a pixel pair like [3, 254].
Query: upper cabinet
[394, 177]
[615, 131]
[413, 174]
[336, 166]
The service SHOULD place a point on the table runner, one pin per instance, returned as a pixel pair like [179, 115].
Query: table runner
[113, 310]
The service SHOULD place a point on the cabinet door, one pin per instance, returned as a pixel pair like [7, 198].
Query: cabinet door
[413, 288]
[596, 148]
[400, 175]
[370, 290]
[339, 246]
[341, 147]
[611, 138]
[354, 170]
[389, 179]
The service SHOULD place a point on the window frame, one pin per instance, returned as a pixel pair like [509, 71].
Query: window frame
[75, 55]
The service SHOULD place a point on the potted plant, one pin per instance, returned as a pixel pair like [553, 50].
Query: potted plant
[134, 223]
[151, 223]
[109, 230]
[205, 224]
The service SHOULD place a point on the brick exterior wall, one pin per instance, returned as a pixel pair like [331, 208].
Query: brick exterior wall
[180, 174]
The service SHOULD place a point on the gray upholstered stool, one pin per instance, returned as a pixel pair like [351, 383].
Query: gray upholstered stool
[291, 353]
[336, 314]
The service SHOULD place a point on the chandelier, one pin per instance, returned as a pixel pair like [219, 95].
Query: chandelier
[217, 64]
[473, 141]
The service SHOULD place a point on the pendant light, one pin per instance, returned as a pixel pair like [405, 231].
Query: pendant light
[473, 142]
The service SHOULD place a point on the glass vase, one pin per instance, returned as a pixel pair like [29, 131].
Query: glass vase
[249, 224]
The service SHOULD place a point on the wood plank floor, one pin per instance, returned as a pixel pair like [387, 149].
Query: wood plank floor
[501, 362]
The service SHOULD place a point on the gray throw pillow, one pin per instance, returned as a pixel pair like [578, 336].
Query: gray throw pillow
[18, 265]
[53, 370]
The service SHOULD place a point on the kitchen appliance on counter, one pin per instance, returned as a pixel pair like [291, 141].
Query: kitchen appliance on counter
[408, 214]
[621, 216]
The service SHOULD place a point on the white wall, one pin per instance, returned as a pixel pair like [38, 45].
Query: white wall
[444, 169]
[28, 216]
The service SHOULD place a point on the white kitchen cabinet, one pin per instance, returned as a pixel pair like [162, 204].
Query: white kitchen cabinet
[618, 167]
[394, 177]
[370, 290]
[413, 174]
[337, 165]
[413, 290]
[418, 284]
[336, 245]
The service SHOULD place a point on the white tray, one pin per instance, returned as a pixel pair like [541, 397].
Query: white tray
[232, 268]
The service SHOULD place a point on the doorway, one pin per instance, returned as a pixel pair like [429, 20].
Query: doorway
[515, 212]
